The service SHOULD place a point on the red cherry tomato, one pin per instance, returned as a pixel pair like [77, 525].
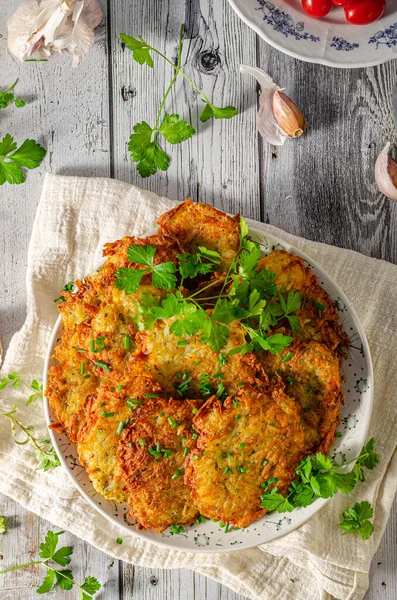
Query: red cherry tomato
[317, 8]
[365, 11]
[342, 2]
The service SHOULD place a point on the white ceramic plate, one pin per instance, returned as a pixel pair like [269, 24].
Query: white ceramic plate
[209, 537]
[330, 41]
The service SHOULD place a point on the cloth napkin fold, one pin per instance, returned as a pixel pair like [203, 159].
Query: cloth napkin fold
[75, 217]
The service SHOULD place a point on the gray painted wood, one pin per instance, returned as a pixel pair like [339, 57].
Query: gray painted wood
[84, 118]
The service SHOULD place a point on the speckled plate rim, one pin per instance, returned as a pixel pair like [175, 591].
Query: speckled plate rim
[301, 515]
[241, 11]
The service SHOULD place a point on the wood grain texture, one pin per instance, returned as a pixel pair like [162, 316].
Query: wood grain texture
[84, 118]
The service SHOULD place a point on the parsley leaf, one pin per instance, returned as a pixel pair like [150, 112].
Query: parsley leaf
[368, 458]
[191, 265]
[62, 556]
[128, 279]
[8, 96]
[355, 519]
[210, 110]
[65, 579]
[274, 501]
[139, 48]
[48, 547]
[214, 334]
[91, 585]
[12, 159]
[174, 130]
[48, 582]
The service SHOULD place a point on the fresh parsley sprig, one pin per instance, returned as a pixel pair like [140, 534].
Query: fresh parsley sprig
[8, 96]
[64, 577]
[355, 519]
[319, 477]
[243, 297]
[45, 453]
[143, 146]
[14, 379]
[12, 159]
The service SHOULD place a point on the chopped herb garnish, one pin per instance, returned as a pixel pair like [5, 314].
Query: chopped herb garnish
[127, 342]
[86, 376]
[242, 445]
[121, 426]
[119, 541]
[162, 414]
[150, 395]
[120, 387]
[82, 368]
[228, 470]
[338, 434]
[107, 415]
[195, 411]
[134, 403]
[319, 305]
[238, 417]
[142, 442]
[235, 402]
[102, 365]
[288, 357]
[182, 343]
[241, 469]
[185, 451]
[195, 457]
[222, 359]
[178, 473]
[172, 422]
[265, 463]
[175, 529]
[194, 436]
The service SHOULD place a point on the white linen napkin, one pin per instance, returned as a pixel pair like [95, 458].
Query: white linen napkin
[75, 217]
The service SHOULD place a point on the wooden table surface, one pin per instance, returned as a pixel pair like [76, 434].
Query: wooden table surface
[320, 187]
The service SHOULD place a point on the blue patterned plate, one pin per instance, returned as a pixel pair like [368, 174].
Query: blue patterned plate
[209, 536]
[330, 41]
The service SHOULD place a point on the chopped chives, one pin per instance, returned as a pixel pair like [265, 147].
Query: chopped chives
[162, 414]
[102, 365]
[228, 470]
[265, 462]
[235, 402]
[102, 404]
[318, 305]
[112, 389]
[142, 442]
[82, 368]
[195, 457]
[194, 436]
[92, 346]
[178, 473]
[186, 451]
[288, 357]
[338, 434]
[242, 445]
[127, 342]
[195, 411]
[86, 376]
[80, 350]
[172, 422]
[120, 387]
[227, 527]
[107, 415]
[238, 417]
[154, 452]
[182, 343]
[119, 541]
[150, 395]
[241, 469]
[120, 427]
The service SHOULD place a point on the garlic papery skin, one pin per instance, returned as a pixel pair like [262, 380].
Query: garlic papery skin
[40, 27]
[386, 173]
[288, 115]
[266, 122]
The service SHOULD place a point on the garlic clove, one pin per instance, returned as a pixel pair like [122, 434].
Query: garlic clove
[265, 120]
[386, 173]
[288, 115]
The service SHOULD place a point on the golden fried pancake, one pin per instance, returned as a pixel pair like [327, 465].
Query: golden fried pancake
[152, 456]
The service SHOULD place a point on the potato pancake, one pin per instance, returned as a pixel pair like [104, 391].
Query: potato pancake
[192, 374]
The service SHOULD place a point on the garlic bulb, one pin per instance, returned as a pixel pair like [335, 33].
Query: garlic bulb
[278, 116]
[40, 27]
[386, 173]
